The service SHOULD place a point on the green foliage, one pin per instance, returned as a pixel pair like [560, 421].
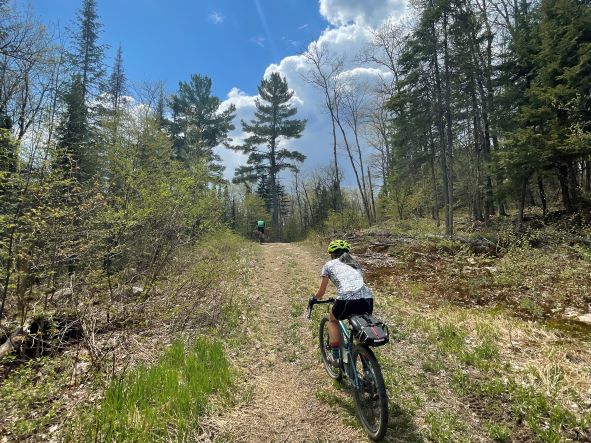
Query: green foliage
[32, 395]
[272, 125]
[161, 401]
[348, 221]
[198, 123]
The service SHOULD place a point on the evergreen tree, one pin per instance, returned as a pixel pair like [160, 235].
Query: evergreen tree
[73, 153]
[552, 133]
[198, 124]
[160, 107]
[272, 124]
[116, 87]
[87, 56]
[263, 190]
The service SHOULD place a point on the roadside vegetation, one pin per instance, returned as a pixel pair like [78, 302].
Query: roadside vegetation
[162, 401]
[488, 342]
[91, 388]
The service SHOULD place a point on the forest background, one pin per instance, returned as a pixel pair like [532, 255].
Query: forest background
[481, 112]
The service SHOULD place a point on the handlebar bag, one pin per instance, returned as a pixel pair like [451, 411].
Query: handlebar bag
[369, 330]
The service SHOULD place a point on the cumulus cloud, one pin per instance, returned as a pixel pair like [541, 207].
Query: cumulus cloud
[369, 12]
[353, 24]
[245, 106]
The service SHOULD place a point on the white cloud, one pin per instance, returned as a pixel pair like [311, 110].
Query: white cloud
[216, 18]
[369, 12]
[245, 106]
[354, 22]
[304, 26]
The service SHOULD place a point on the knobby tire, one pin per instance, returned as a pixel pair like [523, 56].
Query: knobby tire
[325, 348]
[371, 398]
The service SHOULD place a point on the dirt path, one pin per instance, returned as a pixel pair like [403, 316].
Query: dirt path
[289, 388]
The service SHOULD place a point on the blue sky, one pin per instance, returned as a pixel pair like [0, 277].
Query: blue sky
[231, 41]
[236, 43]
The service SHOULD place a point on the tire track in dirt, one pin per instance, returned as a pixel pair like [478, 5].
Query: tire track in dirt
[282, 367]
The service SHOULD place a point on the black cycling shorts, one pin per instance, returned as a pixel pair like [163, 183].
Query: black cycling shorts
[343, 309]
[261, 229]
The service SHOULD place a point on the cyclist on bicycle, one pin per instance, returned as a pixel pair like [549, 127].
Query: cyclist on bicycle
[353, 295]
[261, 226]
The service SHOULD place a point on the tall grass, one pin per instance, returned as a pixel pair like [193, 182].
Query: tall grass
[163, 401]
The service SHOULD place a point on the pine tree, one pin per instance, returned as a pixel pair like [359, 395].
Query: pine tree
[198, 124]
[116, 87]
[271, 126]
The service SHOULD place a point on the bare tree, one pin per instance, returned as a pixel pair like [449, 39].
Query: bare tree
[27, 60]
[325, 70]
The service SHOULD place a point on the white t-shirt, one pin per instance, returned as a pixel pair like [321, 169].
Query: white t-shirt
[348, 280]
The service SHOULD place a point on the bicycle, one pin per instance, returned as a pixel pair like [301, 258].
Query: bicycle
[358, 364]
[259, 236]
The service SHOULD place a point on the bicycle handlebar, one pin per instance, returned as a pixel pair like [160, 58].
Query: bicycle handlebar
[314, 301]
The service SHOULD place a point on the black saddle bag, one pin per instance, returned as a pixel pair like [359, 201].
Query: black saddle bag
[369, 330]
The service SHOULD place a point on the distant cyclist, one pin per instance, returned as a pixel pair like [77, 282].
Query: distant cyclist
[353, 295]
[261, 228]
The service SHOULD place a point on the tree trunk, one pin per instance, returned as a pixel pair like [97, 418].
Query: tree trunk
[449, 133]
[543, 196]
[573, 185]
[337, 203]
[563, 179]
[355, 171]
[588, 176]
[442, 141]
[521, 204]
[433, 178]
[373, 203]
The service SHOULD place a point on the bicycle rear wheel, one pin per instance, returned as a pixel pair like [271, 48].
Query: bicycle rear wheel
[326, 351]
[371, 398]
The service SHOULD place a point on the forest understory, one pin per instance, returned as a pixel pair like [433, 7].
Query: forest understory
[491, 344]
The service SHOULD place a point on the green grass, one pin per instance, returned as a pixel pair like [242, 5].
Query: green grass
[445, 427]
[450, 338]
[163, 401]
[498, 432]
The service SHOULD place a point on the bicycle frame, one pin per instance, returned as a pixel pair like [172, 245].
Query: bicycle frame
[346, 335]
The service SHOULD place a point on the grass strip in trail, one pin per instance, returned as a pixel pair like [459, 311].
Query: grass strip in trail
[163, 401]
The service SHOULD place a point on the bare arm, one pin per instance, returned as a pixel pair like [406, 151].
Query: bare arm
[322, 289]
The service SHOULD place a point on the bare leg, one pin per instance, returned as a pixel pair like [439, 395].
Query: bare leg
[333, 330]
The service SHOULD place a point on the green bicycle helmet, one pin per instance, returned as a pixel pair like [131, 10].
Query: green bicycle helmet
[337, 245]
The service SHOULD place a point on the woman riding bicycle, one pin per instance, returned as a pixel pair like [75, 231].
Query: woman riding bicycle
[353, 295]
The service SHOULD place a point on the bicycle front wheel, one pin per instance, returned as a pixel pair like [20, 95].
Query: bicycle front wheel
[371, 398]
[326, 351]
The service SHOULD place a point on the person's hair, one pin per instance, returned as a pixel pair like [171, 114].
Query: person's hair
[344, 257]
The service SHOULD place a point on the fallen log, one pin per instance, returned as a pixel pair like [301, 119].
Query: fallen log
[42, 335]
